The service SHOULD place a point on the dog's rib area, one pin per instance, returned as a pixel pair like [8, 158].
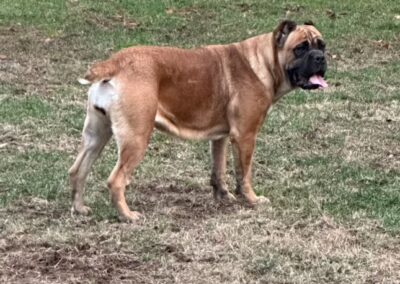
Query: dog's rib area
[165, 125]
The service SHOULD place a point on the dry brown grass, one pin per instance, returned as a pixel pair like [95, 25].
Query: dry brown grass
[188, 239]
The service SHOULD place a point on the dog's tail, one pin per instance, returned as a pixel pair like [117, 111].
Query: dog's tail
[101, 71]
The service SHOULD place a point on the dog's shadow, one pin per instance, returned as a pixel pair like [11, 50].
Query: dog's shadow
[182, 204]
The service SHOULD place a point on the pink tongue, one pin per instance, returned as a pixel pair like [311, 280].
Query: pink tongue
[318, 80]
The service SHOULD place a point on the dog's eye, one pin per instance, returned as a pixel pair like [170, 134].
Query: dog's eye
[301, 49]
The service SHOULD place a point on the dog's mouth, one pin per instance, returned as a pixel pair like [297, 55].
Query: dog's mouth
[319, 81]
[315, 81]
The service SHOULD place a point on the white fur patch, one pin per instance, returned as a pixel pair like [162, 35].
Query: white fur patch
[102, 94]
[83, 81]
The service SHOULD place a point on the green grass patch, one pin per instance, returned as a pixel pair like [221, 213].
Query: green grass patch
[361, 192]
[32, 174]
[16, 110]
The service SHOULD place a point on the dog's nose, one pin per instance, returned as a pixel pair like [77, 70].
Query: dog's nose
[319, 59]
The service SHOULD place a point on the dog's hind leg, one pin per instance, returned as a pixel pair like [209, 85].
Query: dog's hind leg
[131, 153]
[96, 133]
[132, 127]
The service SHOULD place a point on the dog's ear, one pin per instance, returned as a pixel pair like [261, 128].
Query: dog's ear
[282, 31]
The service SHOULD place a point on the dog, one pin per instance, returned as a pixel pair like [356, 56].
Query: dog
[216, 92]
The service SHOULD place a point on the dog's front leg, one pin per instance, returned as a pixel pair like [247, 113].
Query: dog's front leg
[246, 115]
[218, 152]
[243, 148]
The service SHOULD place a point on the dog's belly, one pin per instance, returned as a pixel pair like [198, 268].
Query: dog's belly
[215, 132]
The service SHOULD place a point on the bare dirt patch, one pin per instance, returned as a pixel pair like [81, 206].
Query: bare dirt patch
[47, 263]
[186, 206]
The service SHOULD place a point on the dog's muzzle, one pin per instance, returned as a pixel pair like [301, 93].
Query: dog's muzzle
[308, 71]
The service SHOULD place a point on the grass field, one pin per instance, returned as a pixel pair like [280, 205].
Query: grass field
[328, 161]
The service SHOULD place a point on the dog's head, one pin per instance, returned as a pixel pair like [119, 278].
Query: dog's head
[301, 53]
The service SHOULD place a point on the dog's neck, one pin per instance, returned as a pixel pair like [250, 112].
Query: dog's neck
[263, 58]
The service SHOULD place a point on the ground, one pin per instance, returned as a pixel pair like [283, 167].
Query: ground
[329, 161]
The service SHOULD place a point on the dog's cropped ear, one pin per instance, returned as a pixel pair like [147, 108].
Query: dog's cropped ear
[282, 31]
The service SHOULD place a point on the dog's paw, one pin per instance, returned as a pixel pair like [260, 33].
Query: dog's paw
[257, 200]
[82, 210]
[131, 217]
[224, 197]
[262, 200]
[227, 197]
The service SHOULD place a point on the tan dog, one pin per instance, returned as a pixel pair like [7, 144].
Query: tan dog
[215, 93]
